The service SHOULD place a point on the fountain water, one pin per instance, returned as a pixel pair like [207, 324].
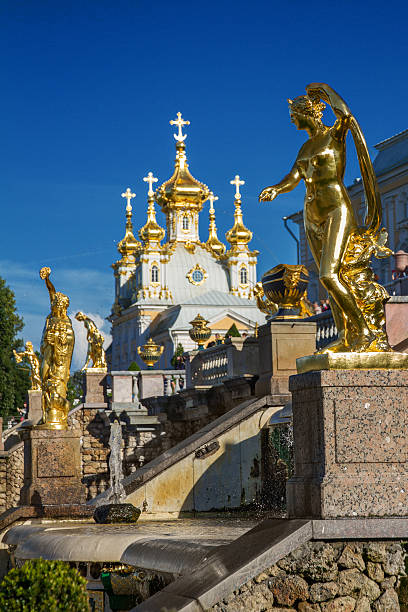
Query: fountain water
[114, 510]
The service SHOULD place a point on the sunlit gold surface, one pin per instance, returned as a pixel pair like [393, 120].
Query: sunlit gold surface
[128, 246]
[57, 345]
[341, 249]
[199, 333]
[95, 353]
[151, 233]
[352, 361]
[290, 297]
[182, 191]
[263, 303]
[34, 362]
[238, 234]
[150, 352]
[213, 244]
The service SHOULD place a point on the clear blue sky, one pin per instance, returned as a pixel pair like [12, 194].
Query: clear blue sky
[88, 89]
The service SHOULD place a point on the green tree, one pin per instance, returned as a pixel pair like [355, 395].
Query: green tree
[14, 379]
[75, 388]
[134, 367]
[233, 332]
[43, 585]
[178, 353]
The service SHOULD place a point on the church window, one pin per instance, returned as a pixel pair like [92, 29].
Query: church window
[186, 222]
[243, 276]
[155, 274]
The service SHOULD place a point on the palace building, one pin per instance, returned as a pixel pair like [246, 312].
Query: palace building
[167, 277]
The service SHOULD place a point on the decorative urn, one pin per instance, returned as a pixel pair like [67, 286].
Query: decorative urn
[150, 352]
[285, 285]
[199, 333]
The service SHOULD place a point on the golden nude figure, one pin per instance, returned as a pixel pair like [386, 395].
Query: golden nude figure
[340, 248]
[31, 357]
[95, 353]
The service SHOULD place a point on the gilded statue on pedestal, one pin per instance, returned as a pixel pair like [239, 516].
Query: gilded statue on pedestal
[341, 249]
[34, 362]
[57, 345]
[95, 353]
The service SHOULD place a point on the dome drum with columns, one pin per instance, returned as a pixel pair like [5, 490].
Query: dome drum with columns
[160, 287]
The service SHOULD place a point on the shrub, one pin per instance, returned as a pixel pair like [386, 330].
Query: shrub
[41, 585]
[233, 332]
[134, 367]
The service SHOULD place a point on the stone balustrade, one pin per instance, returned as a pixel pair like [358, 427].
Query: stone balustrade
[128, 387]
[211, 366]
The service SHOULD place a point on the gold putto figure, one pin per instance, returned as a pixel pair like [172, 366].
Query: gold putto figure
[95, 353]
[34, 362]
[340, 248]
[57, 345]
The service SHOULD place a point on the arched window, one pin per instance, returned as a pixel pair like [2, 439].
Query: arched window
[155, 274]
[186, 222]
[243, 276]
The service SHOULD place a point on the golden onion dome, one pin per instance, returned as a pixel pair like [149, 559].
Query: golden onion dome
[213, 243]
[182, 189]
[151, 231]
[128, 247]
[238, 234]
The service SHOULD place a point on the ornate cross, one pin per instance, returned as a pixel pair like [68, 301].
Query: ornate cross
[179, 122]
[212, 199]
[129, 196]
[150, 179]
[237, 183]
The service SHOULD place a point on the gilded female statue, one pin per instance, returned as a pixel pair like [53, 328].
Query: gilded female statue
[340, 248]
[31, 357]
[95, 353]
[57, 345]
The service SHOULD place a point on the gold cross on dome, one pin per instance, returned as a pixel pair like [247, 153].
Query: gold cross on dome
[237, 183]
[150, 179]
[179, 122]
[129, 196]
[212, 199]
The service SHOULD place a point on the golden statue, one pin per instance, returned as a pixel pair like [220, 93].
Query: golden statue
[341, 250]
[34, 362]
[57, 345]
[95, 353]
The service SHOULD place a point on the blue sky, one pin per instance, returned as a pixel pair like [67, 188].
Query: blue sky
[88, 89]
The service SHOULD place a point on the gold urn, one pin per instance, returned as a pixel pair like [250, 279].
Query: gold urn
[286, 285]
[199, 333]
[150, 352]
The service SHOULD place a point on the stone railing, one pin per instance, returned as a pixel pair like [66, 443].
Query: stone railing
[211, 366]
[128, 387]
[326, 330]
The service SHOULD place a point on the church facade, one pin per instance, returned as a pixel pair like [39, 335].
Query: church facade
[160, 287]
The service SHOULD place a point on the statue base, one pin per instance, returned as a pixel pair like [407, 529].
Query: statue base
[52, 468]
[351, 457]
[352, 361]
[34, 405]
[94, 386]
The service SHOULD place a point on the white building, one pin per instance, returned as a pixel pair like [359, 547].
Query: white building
[160, 288]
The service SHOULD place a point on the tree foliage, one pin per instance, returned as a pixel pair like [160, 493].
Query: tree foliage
[176, 361]
[43, 585]
[14, 379]
[233, 332]
[75, 388]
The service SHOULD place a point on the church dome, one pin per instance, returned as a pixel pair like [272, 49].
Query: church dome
[182, 190]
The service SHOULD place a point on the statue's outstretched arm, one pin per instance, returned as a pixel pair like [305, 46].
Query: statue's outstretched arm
[45, 275]
[289, 182]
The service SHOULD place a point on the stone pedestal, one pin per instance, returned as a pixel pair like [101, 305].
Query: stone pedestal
[151, 383]
[94, 386]
[52, 468]
[122, 386]
[280, 344]
[34, 406]
[351, 453]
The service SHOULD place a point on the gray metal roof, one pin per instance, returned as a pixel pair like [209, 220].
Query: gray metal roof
[393, 152]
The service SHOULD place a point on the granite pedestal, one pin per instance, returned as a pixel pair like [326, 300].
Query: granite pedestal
[34, 406]
[351, 452]
[52, 468]
[94, 386]
[280, 344]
